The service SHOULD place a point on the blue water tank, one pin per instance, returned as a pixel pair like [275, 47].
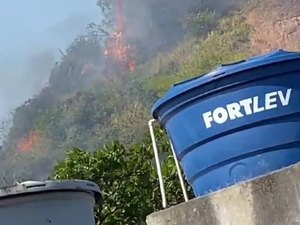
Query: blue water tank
[240, 121]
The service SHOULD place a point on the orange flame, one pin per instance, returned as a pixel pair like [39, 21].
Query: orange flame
[115, 46]
[28, 142]
[132, 66]
[118, 50]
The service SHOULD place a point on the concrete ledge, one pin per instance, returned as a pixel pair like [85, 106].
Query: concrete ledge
[270, 200]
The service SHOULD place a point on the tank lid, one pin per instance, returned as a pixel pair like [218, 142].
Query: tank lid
[35, 187]
[222, 71]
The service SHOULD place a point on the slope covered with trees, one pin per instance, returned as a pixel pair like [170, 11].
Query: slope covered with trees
[91, 100]
[95, 106]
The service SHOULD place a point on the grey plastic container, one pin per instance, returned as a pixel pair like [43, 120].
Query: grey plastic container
[49, 202]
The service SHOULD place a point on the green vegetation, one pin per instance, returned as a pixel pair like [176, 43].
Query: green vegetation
[195, 56]
[127, 178]
[88, 110]
[200, 23]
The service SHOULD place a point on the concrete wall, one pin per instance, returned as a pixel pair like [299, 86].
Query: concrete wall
[269, 200]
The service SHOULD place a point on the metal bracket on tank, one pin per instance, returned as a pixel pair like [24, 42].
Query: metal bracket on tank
[158, 167]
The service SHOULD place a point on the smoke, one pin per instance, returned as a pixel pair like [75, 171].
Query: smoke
[30, 45]
[157, 24]
[64, 32]
[139, 22]
[22, 77]
[25, 66]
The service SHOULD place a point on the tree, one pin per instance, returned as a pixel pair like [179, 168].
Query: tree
[127, 179]
[200, 23]
[104, 28]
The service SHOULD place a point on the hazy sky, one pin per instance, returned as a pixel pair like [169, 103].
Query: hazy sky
[31, 33]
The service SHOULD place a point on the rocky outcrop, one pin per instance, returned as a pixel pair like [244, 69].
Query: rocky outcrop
[275, 24]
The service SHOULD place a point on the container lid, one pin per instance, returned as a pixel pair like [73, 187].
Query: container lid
[36, 187]
[222, 71]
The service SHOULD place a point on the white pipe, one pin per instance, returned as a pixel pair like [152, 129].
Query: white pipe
[185, 195]
[159, 172]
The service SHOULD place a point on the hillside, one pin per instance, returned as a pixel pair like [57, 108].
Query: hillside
[275, 25]
[90, 101]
